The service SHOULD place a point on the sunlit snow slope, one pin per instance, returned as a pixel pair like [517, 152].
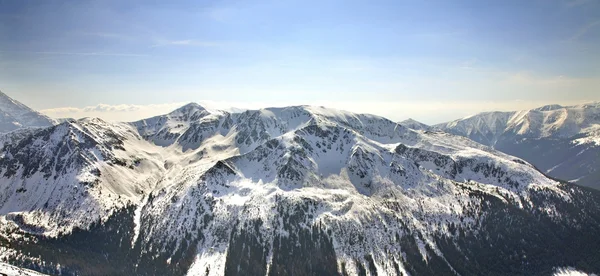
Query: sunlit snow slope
[414, 124]
[562, 141]
[15, 115]
[282, 191]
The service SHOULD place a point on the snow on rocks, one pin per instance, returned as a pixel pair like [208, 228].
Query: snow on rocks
[200, 178]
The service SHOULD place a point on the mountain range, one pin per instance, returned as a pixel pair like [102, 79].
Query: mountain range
[298, 190]
[562, 141]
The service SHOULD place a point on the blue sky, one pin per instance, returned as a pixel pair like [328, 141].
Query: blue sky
[430, 60]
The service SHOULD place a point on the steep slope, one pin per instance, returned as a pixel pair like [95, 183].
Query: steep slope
[562, 141]
[15, 115]
[414, 124]
[283, 191]
[9, 270]
[72, 174]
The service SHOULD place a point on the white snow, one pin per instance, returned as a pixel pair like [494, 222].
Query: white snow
[239, 167]
[415, 125]
[19, 116]
[569, 271]
[591, 136]
[555, 121]
[9, 270]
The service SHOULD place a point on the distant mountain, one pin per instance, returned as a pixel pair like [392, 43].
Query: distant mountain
[562, 141]
[414, 124]
[297, 190]
[15, 115]
[62, 120]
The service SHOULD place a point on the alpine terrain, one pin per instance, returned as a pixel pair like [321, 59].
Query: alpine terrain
[298, 190]
[414, 124]
[15, 115]
[562, 141]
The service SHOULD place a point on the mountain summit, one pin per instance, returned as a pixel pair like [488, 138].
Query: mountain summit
[414, 124]
[15, 115]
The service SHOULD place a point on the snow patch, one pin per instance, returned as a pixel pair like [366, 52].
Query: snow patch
[9, 270]
[569, 271]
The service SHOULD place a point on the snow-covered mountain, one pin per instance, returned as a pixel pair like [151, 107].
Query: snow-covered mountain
[282, 191]
[15, 115]
[562, 141]
[414, 124]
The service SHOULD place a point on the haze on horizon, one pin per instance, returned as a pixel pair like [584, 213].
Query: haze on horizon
[433, 61]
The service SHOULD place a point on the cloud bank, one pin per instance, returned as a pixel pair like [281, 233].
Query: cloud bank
[120, 112]
[428, 112]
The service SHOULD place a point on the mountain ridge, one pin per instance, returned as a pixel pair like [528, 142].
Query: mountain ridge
[197, 192]
[563, 141]
[414, 124]
[15, 115]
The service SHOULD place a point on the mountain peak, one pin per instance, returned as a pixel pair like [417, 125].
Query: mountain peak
[15, 115]
[189, 112]
[414, 124]
[12, 106]
[190, 107]
[549, 107]
[410, 121]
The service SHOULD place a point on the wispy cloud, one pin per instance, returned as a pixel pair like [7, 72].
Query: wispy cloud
[119, 112]
[576, 3]
[113, 108]
[106, 35]
[133, 112]
[529, 79]
[188, 42]
[446, 34]
[155, 39]
[584, 30]
[469, 64]
[220, 14]
[75, 53]
[11, 16]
